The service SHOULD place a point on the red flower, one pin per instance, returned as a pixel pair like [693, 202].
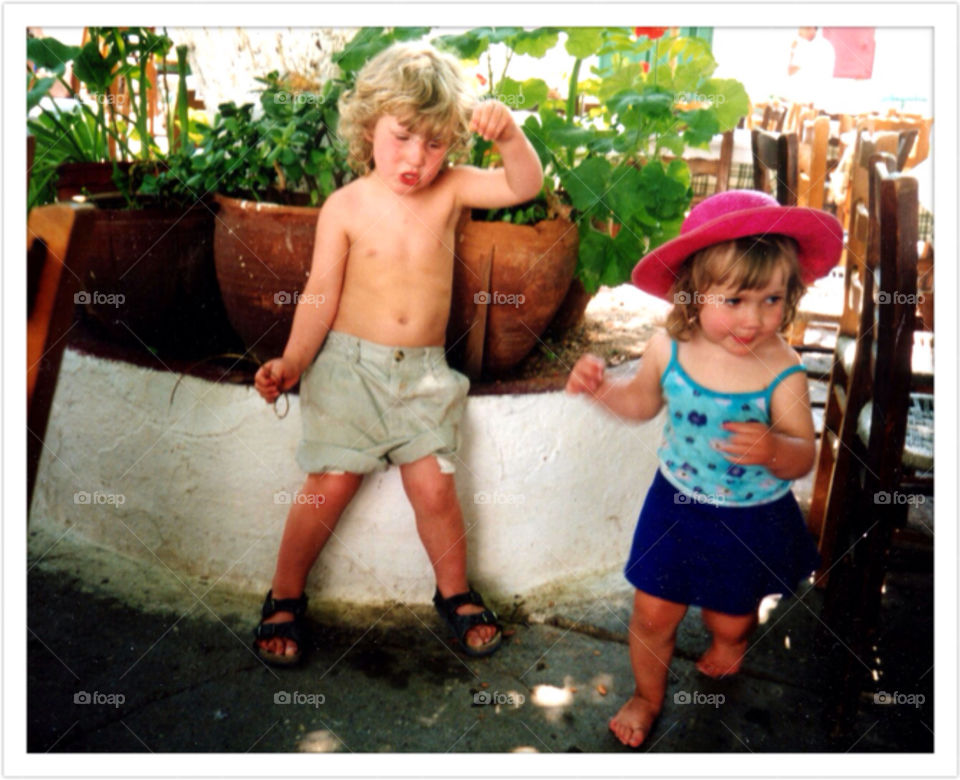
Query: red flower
[646, 67]
[650, 32]
[482, 80]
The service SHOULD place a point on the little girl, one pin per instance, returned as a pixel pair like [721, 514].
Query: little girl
[719, 527]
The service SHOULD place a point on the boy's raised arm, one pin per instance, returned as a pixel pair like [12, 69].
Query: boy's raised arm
[521, 176]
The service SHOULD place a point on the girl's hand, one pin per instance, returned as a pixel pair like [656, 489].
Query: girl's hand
[493, 120]
[587, 375]
[274, 377]
[752, 444]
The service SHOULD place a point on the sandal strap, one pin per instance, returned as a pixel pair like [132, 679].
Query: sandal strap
[453, 603]
[461, 624]
[291, 629]
[271, 606]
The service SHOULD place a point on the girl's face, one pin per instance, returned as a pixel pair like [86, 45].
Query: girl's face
[740, 321]
[404, 160]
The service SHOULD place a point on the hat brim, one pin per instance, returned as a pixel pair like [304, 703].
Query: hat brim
[819, 238]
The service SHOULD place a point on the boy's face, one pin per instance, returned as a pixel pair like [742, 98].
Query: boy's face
[405, 160]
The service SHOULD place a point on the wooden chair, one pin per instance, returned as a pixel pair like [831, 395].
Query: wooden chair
[775, 152]
[869, 513]
[52, 281]
[812, 162]
[917, 128]
[716, 167]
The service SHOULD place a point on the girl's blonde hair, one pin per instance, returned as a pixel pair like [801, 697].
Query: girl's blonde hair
[422, 87]
[747, 263]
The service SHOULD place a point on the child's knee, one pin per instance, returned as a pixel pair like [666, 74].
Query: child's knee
[656, 616]
[335, 488]
[432, 494]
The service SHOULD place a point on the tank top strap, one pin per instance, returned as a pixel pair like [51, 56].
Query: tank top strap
[780, 377]
[673, 362]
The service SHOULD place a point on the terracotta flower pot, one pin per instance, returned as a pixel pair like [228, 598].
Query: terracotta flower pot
[262, 253]
[147, 278]
[529, 268]
[93, 178]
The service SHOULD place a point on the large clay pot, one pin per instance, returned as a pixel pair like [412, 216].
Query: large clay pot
[262, 253]
[91, 178]
[529, 268]
[147, 278]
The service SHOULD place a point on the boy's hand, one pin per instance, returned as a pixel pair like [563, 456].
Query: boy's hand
[493, 121]
[274, 377]
[587, 375]
[752, 444]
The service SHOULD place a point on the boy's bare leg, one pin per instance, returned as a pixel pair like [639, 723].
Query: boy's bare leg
[730, 635]
[308, 527]
[653, 632]
[433, 496]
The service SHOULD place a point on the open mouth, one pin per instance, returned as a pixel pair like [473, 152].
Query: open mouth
[410, 179]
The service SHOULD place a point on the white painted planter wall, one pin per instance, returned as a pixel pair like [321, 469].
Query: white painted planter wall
[550, 487]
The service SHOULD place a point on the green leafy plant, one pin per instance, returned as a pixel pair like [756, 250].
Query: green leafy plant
[606, 163]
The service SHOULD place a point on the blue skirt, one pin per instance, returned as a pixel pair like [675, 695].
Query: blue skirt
[723, 558]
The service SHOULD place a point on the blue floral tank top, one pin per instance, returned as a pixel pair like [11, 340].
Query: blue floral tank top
[688, 459]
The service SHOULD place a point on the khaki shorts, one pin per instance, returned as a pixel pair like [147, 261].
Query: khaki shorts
[365, 405]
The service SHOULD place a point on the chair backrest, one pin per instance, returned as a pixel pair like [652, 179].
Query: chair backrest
[812, 163]
[775, 152]
[718, 167]
[858, 220]
[916, 141]
[894, 211]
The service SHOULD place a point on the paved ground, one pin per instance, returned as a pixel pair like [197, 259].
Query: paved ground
[165, 671]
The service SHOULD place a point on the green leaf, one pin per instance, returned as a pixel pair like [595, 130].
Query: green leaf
[525, 96]
[587, 183]
[536, 43]
[583, 42]
[592, 258]
[729, 100]
[50, 53]
[701, 127]
[93, 69]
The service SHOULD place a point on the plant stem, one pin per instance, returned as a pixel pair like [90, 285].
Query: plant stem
[572, 102]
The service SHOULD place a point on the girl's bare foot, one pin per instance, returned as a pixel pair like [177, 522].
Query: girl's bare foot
[634, 721]
[722, 659]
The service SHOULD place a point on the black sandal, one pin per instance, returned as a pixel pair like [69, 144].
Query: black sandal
[295, 629]
[461, 624]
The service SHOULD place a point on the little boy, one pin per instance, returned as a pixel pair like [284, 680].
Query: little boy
[378, 299]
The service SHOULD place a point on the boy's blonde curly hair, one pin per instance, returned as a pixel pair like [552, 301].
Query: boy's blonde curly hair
[746, 264]
[422, 87]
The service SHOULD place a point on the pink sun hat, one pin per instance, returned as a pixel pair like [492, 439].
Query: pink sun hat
[737, 214]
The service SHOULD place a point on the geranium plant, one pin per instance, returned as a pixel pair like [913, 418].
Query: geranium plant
[604, 162]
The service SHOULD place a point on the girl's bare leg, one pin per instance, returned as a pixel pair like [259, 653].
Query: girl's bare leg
[653, 633]
[730, 636]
